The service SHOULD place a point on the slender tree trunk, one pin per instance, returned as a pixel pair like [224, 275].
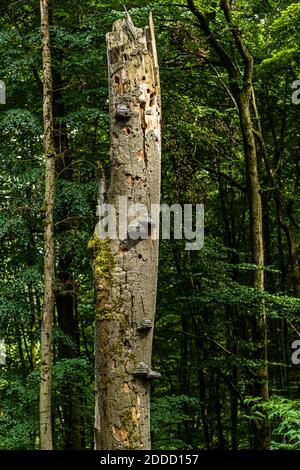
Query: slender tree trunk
[244, 96]
[261, 429]
[204, 409]
[293, 248]
[49, 263]
[32, 338]
[125, 272]
[218, 408]
[234, 408]
[185, 431]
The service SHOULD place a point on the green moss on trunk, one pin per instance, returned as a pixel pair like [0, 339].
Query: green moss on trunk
[103, 264]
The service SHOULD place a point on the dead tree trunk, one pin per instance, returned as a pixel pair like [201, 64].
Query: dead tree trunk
[49, 263]
[125, 271]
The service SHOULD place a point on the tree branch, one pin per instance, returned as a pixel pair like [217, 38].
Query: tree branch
[204, 25]
[236, 33]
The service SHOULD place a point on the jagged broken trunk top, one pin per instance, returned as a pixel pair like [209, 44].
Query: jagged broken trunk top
[125, 271]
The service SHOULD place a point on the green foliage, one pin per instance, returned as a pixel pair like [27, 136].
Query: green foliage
[19, 411]
[284, 416]
[167, 415]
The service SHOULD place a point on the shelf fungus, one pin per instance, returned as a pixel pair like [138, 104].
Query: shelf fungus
[153, 375]
[143, 372]
[145, 325]
[123, 111]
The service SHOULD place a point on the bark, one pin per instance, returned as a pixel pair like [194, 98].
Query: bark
[261, 387]
[49, 263]
[125, 272]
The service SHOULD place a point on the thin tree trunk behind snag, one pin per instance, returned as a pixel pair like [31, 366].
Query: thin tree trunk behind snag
[244, 99]
[49, 266]
[125, 272]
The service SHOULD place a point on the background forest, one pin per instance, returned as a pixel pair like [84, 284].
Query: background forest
[207, 340]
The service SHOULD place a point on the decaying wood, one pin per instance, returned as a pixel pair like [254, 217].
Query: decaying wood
[126, 287]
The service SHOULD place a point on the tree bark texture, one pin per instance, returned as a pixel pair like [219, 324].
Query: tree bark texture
[261, 429]
[49, 263]
[125, 272]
